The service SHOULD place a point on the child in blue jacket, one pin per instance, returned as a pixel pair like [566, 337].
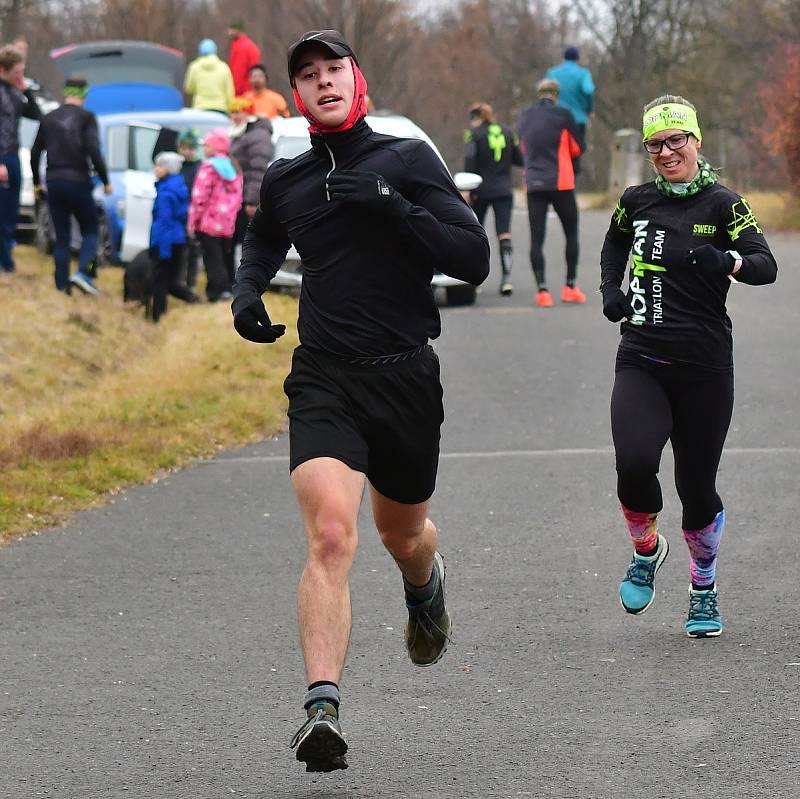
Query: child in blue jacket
[168, 233]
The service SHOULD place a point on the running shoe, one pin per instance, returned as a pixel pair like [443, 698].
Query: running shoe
[572, 294]
[544, 299]
[84, 283]
[428, 629]
[506, 289]
[638, 590]
[703, 620]
[319, 742]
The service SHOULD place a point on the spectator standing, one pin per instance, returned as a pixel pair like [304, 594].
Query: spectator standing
[244, 54]
[490, 151]
[209, 80]
[69, 135]
[266, 102]
[216, 200]
[188, 145]
[576, 93]
[549, 144]
[15, 101]
[168, 233]
[252, 149]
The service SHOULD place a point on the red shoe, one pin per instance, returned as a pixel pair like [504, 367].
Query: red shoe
[544, 299]
[572, 294]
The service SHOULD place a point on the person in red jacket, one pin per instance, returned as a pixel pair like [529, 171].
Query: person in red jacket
[244, 54]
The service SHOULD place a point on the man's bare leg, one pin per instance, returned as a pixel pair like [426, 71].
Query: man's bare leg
[329, 494]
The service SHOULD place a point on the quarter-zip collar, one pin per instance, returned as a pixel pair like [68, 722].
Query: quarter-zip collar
[324, 144]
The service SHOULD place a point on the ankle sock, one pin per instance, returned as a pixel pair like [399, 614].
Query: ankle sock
[415, 594]
[322, 691]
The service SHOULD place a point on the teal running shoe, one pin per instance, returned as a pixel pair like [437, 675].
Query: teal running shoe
[703, 620]
[638, 590]
[319, 742]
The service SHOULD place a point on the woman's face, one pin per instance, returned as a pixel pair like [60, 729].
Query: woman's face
[676, 166]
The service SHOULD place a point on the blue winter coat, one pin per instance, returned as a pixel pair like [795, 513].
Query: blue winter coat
[576, 89]
[170, 209]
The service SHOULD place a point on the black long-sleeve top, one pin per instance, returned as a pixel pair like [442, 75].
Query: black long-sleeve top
[366, 275]
[13, 105]
[69, 134]
[680, 313]
[490, 150]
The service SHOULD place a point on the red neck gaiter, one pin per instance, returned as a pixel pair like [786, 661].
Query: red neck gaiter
[357, 110]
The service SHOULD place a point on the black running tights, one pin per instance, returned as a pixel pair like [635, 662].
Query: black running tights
[654, 402]
[566, 208]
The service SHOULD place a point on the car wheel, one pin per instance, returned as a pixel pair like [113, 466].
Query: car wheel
[460, 295]
[44, 230]
[105, 247]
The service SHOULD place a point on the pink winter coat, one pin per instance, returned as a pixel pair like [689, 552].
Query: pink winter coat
[216, 198]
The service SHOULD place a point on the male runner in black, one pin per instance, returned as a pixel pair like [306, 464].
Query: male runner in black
[372, 216]
[688, 236]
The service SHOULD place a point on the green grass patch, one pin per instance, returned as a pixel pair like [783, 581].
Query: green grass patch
[94, 397]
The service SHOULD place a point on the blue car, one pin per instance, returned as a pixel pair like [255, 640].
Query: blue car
[135, 92]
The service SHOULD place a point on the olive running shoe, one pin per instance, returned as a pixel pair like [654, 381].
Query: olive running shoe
[638, 590]
[703, 620]
[319, 742]
[428, 629]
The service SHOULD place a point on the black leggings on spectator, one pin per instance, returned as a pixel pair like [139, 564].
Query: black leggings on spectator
[216, 257]
[167, 279]
[566, 208]
[653, 402]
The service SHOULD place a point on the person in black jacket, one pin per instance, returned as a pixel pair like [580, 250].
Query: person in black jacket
[69, 134]
[371, 216]
[549, 139]
[15, 101]
[490, 151]
[690, 238]
[188, 146]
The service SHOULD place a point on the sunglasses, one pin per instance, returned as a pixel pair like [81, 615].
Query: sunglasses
[674, 142]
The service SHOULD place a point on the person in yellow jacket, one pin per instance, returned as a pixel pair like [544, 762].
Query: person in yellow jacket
[209, 80]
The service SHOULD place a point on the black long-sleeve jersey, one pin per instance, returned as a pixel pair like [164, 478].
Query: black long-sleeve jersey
[679, 313]
[366, 275]
[69, 134]
[490, 150]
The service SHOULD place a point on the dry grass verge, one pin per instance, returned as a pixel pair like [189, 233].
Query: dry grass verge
[93, 397]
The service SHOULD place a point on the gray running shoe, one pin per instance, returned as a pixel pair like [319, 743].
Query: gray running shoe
[319, 742]
[428, 629]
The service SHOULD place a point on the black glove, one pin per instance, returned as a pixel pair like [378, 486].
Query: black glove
[615, 304]
[252, 321]
[710, 261]
[365, 188]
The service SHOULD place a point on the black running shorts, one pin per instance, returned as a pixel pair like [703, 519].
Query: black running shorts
[383, 420]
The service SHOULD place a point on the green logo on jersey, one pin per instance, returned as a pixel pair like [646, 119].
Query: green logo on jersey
[497, 141]
[640, 267]
[704, 230]
[742, 218]
[621, 219]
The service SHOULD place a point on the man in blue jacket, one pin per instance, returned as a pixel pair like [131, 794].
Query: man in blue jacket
[576, 92]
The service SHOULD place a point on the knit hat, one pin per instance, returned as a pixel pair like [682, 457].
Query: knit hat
[572, 53]
[189, 138]
[218, 140]
[170, 161]
[241, 104]
[207, 47]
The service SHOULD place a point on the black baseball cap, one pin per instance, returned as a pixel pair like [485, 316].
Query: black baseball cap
[332, 40]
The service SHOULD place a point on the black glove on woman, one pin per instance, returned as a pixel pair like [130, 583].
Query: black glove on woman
[615, 304]
[711, 261]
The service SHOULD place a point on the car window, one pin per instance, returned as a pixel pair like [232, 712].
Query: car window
[143, 142]
[291, 146]
[117, 147]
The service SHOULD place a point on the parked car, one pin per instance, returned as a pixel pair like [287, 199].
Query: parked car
[27, 200]
[136, 94]
[290, 137]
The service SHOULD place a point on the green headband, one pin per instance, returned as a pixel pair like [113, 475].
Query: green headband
[75, 91]
[672, 116]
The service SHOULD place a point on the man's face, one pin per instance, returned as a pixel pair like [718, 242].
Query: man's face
[326, 85]
[234, 33]
[258, 80]
[15, 76]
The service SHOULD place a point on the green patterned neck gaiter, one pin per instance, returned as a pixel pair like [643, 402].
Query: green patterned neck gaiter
[702, 180]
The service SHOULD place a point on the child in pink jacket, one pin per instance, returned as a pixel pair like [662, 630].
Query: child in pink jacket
[216, 200]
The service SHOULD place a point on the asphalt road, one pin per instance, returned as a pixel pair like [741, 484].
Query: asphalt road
[150, 648]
